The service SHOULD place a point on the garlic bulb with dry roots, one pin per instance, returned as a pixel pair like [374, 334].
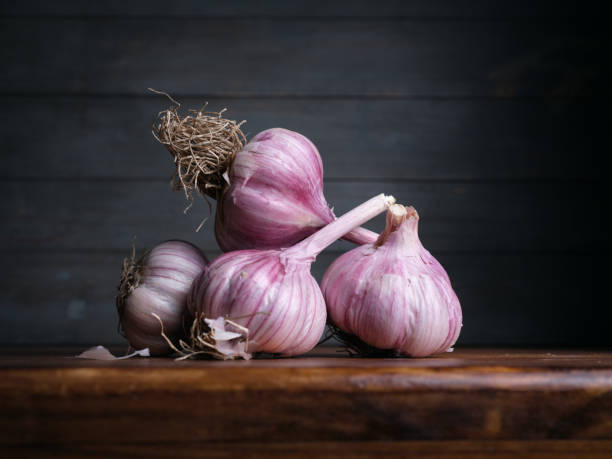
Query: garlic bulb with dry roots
[269, 192]
[393, 294]
[157, 284]
[271, 292]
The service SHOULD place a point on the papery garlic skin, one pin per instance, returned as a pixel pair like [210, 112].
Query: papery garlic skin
[275, 195]
[277, 299]
[271, 292]
[393, 294]
[167, 273]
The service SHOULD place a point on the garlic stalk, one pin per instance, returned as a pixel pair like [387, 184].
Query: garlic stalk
[157, 285]
[271, 292]
[393, 294]
[269, 192]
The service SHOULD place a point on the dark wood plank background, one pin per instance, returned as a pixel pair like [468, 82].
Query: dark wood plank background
[487, 116]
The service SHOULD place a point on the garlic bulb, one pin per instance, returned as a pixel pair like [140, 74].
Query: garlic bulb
[271, 292]
[157, 285]
[269, 192]
[276, 299]
[275, 195]
[393, 294]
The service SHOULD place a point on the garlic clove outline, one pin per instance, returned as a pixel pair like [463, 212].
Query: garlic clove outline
[393, 294]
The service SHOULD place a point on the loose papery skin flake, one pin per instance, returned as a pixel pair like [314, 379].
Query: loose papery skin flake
[274, 197]
[393, 294]
[271, 292]
[101, 353]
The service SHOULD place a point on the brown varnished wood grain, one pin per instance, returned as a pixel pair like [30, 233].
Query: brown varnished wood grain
[560, 449]
[25, 358]
[465, 401]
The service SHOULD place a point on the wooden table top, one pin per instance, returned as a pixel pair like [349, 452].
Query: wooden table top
[471, 402]
[36, 357]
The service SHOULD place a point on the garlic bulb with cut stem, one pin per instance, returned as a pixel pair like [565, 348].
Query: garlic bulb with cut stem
[157, 284]
[269, 192]
[393, 294]
[271, 292]
[275, 195]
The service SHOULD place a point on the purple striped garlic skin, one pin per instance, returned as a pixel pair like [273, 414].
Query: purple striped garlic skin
[275, 297]
[393, 294]
[275, 194]
[167, 274]
[271, 292]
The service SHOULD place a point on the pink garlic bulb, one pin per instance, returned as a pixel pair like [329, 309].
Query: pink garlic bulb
[157, 285]
[275, 195]
[393, 294]
[271, 292]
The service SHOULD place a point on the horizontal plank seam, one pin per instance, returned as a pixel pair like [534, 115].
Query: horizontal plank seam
[495, 442]
[116, 346]
[299, 96]
[432, 180]
[468, 252]
[460, 447]
[390, 379]
[537, 19]
[485, 371]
